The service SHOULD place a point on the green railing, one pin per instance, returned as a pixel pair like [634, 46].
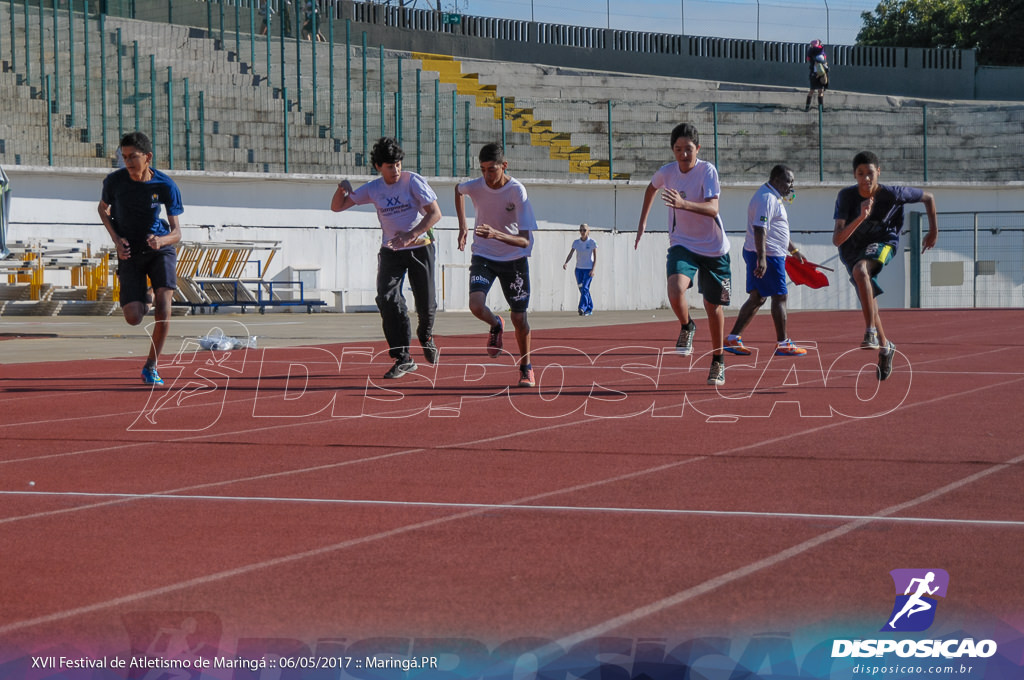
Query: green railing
[289, 109]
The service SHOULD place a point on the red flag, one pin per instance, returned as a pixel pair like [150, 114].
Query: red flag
[805, 273]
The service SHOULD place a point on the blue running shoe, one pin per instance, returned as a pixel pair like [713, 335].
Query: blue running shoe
[150, 376]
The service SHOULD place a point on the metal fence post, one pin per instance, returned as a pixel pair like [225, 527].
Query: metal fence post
[284, 97]
[313, 39]
[348, 82]
[202, 131]
[49, 122]
[280, 35]
[330, 77]
[252, 35]
[714, 113]
[974, 265]
[170, 119]
[924, 127]
[88, 78]
[611, 150]
[437, 128]
[152, 97]
[56, 57]
[103, 80]
[366, 145]
[468, 152]
[380, 50]
[42, 43]
[915, 260]
[298, 61]
[135, 77]
[14, 58]
[503, 142]
[398, 104]
[28, 47]
[455, 122]
[419, 123]
[268, 18]
[71, 64]
[821, 144]
[188, 129]
[120, 86]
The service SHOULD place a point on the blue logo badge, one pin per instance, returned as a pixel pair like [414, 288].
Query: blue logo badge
[916, 593]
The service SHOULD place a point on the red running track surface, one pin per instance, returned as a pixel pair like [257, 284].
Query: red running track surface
[293, 494]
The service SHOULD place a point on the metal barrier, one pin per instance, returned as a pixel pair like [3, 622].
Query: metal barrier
[36, 264]
[978, 262]
[214, 274]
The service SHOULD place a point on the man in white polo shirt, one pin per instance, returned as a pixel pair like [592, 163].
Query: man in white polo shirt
[764, 253]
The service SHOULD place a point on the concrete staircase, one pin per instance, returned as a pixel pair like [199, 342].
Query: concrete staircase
[521, 119]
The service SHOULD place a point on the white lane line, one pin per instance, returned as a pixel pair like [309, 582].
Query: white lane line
[703, 512]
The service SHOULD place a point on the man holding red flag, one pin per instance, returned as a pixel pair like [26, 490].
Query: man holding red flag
[764, 252]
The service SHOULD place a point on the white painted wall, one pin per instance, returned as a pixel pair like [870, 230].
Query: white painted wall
[293, 209]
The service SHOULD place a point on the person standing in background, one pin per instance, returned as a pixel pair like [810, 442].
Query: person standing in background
[586, 266]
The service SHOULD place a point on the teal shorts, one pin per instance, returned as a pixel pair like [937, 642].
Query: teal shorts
[713, 274]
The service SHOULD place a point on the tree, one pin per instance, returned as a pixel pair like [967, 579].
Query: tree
[990, 26]
[997, 34]
[915, 23]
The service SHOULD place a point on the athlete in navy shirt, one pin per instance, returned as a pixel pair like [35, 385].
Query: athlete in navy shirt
[130, 210]
[869, 218]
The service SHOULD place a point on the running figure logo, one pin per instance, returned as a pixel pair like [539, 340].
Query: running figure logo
[914, 609]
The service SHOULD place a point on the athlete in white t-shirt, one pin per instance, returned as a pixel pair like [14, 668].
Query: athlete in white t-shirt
[586, 266]
[698, 247]
[502, 242]
[407, 209]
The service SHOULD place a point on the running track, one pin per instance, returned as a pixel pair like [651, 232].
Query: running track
[291, 495]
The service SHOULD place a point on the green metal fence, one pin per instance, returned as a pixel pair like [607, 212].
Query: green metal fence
[273, 100]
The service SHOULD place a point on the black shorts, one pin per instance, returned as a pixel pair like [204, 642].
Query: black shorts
[514, 277]
[146, 268]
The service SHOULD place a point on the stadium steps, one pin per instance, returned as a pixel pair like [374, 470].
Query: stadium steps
[521, 119]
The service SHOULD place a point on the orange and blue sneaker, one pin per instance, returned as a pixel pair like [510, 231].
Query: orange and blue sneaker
[734, 344]
[786, 348]
[494, 341]
[526, 378]
[150, 376]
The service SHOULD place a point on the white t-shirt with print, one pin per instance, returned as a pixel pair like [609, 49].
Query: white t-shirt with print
[507, 209]
[399, 205]
[699, 234]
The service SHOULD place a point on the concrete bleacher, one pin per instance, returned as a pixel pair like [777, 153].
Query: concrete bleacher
[565, 133]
